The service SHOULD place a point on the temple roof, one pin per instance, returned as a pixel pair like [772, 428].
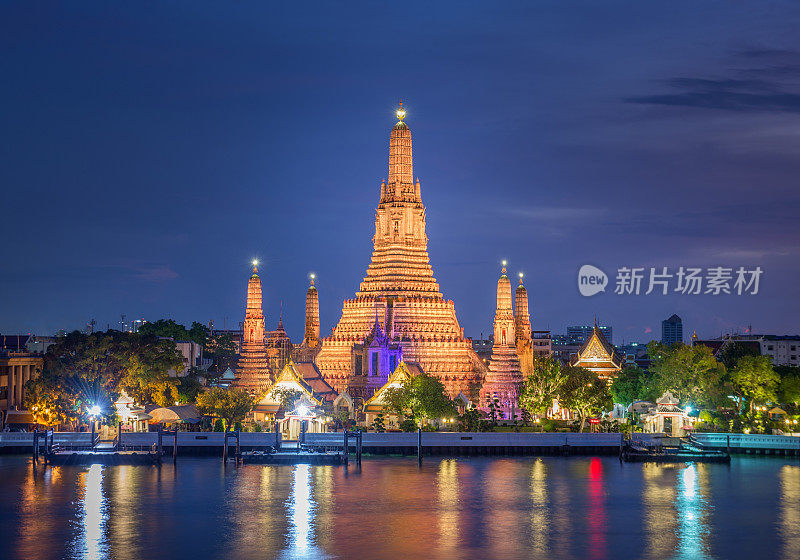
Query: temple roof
[597, 353]
[401, 373]
[376, 337]
[304, 377]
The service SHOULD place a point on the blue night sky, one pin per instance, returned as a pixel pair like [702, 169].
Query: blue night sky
[150, 150]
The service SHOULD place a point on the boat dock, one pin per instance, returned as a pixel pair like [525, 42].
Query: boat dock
[671, 450]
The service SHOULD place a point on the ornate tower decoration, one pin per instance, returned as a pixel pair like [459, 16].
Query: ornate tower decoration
[312, 315]
[522, 325]
[253, 373]
[400, 286]
[504, 378]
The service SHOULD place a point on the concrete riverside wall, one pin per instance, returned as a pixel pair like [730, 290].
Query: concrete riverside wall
[24, 440]
[453, 443]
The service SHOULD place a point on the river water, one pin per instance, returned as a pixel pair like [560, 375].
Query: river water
[547, 507]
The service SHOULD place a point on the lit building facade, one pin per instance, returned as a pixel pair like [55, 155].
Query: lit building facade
[16, 369]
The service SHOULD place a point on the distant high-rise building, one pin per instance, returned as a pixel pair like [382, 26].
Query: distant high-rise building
[581, 333]
[671, 330]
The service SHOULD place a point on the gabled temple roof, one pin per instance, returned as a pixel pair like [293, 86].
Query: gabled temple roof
[401, 373]
[304, 377]
[596, 352]
[310, 374]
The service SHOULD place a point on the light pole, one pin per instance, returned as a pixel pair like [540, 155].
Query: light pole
[94, 412]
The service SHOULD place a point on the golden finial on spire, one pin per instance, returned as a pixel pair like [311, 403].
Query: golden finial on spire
[503, 271]
[255, 265]
[312, 276]
[520, 277]
[401, 113]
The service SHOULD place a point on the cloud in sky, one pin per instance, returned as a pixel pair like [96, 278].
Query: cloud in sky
[769, 87]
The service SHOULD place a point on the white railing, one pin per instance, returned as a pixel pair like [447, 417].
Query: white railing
[748, 441]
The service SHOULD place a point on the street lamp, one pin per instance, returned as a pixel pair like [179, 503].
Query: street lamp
[93, 412]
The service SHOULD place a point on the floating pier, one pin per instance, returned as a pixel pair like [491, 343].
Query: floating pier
[671, 450]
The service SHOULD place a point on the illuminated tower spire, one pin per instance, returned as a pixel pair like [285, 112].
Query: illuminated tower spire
[401, 166]
[253, 372]
[522, 319]
[504, 378]
[504, 315]
[254, 312]
[312, 315]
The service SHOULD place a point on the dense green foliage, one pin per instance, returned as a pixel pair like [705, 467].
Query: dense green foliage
[168, 328]
[229, 405]
[542, 386]
[85, 370]
[421, 397]
[584, 393]
[753, 381]
[691, 373]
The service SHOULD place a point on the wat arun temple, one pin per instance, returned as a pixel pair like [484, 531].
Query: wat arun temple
[399, 313]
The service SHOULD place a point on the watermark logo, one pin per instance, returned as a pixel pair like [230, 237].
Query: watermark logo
[591, 280]
[717, 280]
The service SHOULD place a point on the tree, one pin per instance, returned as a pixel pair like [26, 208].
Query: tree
[287, 397]
[188, 388]
[147, 365]
[221, 349]
[632, 384]
[493, 404]
[541, 386]
[89, 370]
[584, 393]
[199, 333]
[789, 389]
[691, 373]
[230, 405]
[48, 403]
[753, 380]
[378, 424]
[471, 421]
[733, 351]
[418, 398]
[168, 328]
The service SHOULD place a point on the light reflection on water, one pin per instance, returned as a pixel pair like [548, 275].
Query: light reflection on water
[790, 510]
[540, 518]
[92, 543]
[447, 495]
[301, 509]
[449, 508]
[693, 511]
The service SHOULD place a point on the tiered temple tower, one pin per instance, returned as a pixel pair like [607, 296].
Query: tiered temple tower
[522, 326]
[311, 338]
[400, 288]
[504, 378]
[253, 373]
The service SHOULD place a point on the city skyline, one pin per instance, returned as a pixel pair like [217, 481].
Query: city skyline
[236, 153]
